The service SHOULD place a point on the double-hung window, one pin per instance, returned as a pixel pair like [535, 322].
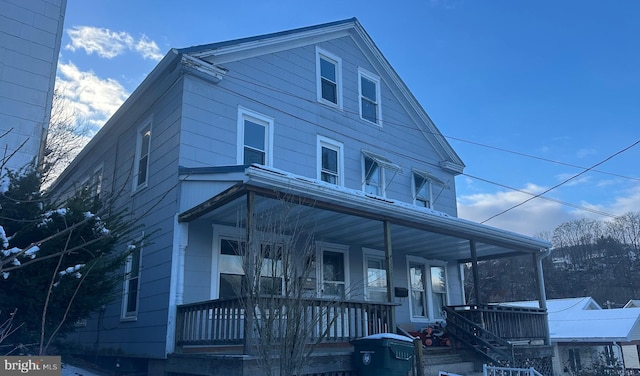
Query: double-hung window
[427, 289]
[255, 135]
[329, 78]
[423, 188]
[438, 290]
[131, 289]
[373, 172]
[418, 287]
[330, 162]
[369, 88]
[143, 147]
[231, 264]
[96, 183]
[376, 287]
[333, 271]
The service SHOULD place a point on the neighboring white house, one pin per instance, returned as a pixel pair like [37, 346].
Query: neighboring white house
[30, 35]
[583, 334]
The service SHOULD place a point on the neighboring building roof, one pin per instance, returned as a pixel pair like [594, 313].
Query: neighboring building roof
[583, 320]
[633, 303]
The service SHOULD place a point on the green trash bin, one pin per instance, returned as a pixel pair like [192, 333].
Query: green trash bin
[384, 354]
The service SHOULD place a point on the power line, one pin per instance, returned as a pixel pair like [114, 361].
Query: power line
[564, 181]
[395, 152]
[576, 206]
[539, 158]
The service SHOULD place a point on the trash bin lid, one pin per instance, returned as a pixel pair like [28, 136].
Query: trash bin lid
[389, 336]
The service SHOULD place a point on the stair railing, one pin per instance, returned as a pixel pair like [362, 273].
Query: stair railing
[474, 336]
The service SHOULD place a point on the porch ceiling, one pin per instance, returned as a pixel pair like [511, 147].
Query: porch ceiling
[337, 216]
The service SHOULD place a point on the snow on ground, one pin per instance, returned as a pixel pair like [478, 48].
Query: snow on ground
[69, 370]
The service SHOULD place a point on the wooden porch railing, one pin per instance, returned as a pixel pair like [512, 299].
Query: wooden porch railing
[222, 322]
[496, 331]
[514, 324]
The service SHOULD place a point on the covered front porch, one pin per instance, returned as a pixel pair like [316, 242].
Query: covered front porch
[374, 264]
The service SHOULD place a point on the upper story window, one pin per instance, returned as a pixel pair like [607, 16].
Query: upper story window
[374, 167]
[255, 135]
[143, 148]
[423, 188]
[96, 182]
[369, 89]
[330, 161]
[328, 78]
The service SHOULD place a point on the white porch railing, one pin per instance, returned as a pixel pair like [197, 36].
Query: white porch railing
[506, 371]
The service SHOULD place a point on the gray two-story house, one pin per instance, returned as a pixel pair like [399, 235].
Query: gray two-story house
[218, 134]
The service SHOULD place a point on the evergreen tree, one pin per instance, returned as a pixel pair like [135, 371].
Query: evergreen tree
[59, 261]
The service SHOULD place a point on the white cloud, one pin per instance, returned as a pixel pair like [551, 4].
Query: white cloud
[536, 216]
[93, 99]
[109, 44]
[585, 152]
[148, 48]
[540, 215]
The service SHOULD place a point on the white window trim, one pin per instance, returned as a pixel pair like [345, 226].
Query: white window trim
[329, 56]
[366, 252]
[124, 314]
[335, 145]
[95, 174]
[337, 248]
[430, 287]
[383, 164]
[372, 77]
[136, 168]
[428, 182]
[267, 121]
[427, 264]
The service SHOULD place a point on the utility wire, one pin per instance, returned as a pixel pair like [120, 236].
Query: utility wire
[395, 152]
[576, 206]
[564, 181]
[290, 94]
[539, 158]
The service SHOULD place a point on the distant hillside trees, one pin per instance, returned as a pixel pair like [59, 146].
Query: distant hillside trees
[589, 258]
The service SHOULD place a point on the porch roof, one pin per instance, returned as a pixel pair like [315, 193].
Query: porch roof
[347, 216]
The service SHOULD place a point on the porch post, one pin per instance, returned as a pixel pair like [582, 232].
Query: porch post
[474, 270]
[249, 318]
[389, 261]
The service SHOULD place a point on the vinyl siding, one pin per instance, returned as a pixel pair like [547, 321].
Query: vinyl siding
[282, 86]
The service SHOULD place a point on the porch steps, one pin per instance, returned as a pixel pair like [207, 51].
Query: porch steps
[438, 359]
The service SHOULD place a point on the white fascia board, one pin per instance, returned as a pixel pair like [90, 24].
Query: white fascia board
[259, 47]
[450, 156]
[306, 186]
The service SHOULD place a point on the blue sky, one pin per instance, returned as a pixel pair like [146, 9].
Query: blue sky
[505, 81]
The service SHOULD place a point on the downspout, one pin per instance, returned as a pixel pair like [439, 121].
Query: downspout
[621, 354]
[542, 295]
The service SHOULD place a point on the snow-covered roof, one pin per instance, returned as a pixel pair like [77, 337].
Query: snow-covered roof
[583, 320]
[632, 303]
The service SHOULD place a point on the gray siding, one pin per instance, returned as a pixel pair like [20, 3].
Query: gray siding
[154, 208]
[282, 86]
[30, 34]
